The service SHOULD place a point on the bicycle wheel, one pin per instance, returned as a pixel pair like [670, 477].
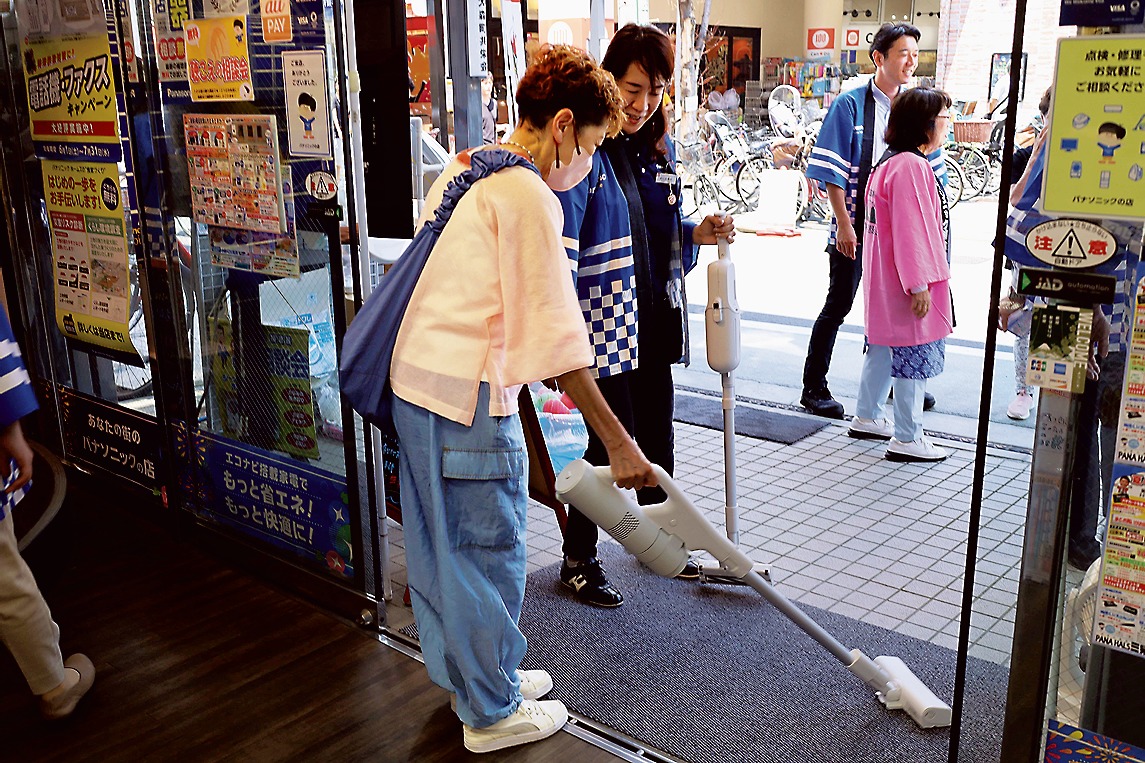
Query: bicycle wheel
[976, 167]
[748, 181]
[131, 381]
[724, 180]
[802, 198]
[955, 182]
[705, 194]
[995, 180]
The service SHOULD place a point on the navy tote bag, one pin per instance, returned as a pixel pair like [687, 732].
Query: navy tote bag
[368, 346]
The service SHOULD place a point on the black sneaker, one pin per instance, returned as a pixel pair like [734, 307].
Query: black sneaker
[1081, 560]
[590, 584]
[928, 401]
[691, 571]
[820, 402]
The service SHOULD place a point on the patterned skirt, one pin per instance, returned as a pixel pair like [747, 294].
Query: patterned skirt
[921, 361]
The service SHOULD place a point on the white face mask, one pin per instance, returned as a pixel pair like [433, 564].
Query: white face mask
[568, 176]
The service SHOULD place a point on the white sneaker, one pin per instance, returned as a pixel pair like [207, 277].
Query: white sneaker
[1019, 409]
[920, 450]
[534, 685]
[533, 721]
[871, 429]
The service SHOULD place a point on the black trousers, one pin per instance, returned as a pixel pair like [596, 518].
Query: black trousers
[841, 290]
[643, 401]
[1085, 490]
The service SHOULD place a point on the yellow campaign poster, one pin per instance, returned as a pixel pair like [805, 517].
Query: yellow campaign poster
[1096, 151]
[71, 96]
[218, 62]
[89, 247]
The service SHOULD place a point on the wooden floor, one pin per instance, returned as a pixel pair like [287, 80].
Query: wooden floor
[197, 661]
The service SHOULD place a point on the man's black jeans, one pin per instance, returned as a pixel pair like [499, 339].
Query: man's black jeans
[841, 290]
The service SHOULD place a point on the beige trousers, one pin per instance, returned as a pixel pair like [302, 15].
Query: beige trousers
[26, 625]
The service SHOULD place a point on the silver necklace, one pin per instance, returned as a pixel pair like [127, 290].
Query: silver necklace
[518, 145]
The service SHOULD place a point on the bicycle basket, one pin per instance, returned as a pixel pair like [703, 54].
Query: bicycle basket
[972, 130]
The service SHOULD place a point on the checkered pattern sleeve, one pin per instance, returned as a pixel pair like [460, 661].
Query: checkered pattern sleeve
[17, 398]
[598, 238]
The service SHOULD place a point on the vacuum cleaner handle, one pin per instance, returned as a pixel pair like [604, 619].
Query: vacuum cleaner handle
[592, 490]
[679, 516]
[639, 528]
[722, 315]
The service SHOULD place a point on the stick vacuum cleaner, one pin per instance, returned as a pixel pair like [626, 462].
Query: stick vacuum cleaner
[661, 535]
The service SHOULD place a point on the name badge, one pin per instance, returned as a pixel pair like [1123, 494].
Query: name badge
[666, 178]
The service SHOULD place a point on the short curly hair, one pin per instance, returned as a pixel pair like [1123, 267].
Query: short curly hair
[562, 76]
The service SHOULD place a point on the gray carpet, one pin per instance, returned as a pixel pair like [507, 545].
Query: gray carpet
[714, 674]
[763, 424]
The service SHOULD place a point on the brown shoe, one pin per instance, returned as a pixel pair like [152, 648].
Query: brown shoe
[62, 700]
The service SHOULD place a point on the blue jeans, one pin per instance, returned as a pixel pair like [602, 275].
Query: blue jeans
[464, 496]
[874, 386]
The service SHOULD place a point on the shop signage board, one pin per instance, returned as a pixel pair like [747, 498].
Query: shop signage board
[1059, 347]
[218, 60]
[513, 45]
[110, 437]
[89, 248]
[1070, 243]
[278, 500]
[1120, 619]
[276, 23]
[1078, 288]
[288, 360]
[270, 254]
[235, 171]
[307, 104]
[171, 52]
[69, 72]
[477, 24]
[1100, 12]
[820, 43]
[1095, 165]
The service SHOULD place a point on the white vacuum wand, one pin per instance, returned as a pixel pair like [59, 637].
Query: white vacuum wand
[722, 338]
[661, 536]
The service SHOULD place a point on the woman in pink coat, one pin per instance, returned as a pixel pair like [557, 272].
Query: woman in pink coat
[906, 283]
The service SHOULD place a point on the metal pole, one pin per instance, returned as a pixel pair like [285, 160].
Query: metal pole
[466, 88]
[731, 511]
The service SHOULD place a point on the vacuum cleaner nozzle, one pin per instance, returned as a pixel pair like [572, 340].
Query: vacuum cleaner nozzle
[912, 695]
[641, 531]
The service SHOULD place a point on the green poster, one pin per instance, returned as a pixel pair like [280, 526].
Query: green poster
[289, 351]
[1096, 149]
[288, 360]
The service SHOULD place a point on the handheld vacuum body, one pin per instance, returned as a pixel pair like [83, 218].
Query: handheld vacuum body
[661, 536]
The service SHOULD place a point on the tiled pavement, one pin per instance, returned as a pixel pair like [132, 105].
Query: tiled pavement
[843, 529]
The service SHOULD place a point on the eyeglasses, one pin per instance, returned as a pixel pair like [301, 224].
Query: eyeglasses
[942, 116]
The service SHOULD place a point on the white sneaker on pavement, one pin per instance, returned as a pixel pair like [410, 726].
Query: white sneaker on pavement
[533, 721]
[920, 450]
[871, 429]
[534, 685]
[1019, 408]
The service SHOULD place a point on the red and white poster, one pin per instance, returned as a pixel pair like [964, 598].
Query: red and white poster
[820, 43]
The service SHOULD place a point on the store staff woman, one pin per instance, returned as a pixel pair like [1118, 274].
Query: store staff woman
[632, 248]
